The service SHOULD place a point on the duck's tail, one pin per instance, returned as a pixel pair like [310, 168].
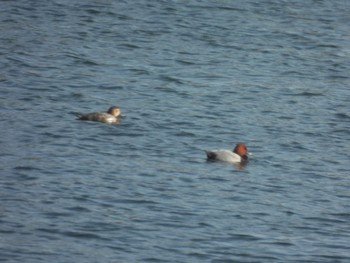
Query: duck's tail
[210, 155]
[78, 115]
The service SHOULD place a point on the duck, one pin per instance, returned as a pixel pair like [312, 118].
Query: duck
[238, 155]
[111, 116]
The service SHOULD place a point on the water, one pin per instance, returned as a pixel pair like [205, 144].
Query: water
[189, 76]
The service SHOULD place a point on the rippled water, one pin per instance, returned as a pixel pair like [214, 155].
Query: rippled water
[189, 76]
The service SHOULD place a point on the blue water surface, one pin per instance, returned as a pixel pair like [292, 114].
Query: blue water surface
[189, 76]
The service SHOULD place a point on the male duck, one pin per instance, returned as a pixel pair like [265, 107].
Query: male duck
[238, 155]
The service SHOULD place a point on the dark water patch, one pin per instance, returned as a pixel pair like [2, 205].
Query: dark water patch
[24, 174]
[27, 168]
[294, 146]
[282, 243]
[56, 215]
[341, 216]
[309, 94]
[154, 259]
[135, 201]
[81, 59]
[129, 45]
[305, 93]
[172, 79]
[139, 71]
[340, 132]
[325, 220]
[342, 116]
[7, 232]
[239, 256]
[83, 235]
[73, 95]
[333, 258]
[79, 209]
[338, 77]
[82, 198]
[186, 62]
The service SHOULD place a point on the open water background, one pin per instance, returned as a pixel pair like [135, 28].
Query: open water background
[189, 76]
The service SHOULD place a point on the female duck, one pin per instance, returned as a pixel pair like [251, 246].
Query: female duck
[238, 155]
[111, 116]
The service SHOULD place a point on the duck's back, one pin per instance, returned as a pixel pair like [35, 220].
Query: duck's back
[98, 116]
[224, 156]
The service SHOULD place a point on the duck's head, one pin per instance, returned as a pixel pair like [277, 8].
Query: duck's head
[241, 150]
[115, 111]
